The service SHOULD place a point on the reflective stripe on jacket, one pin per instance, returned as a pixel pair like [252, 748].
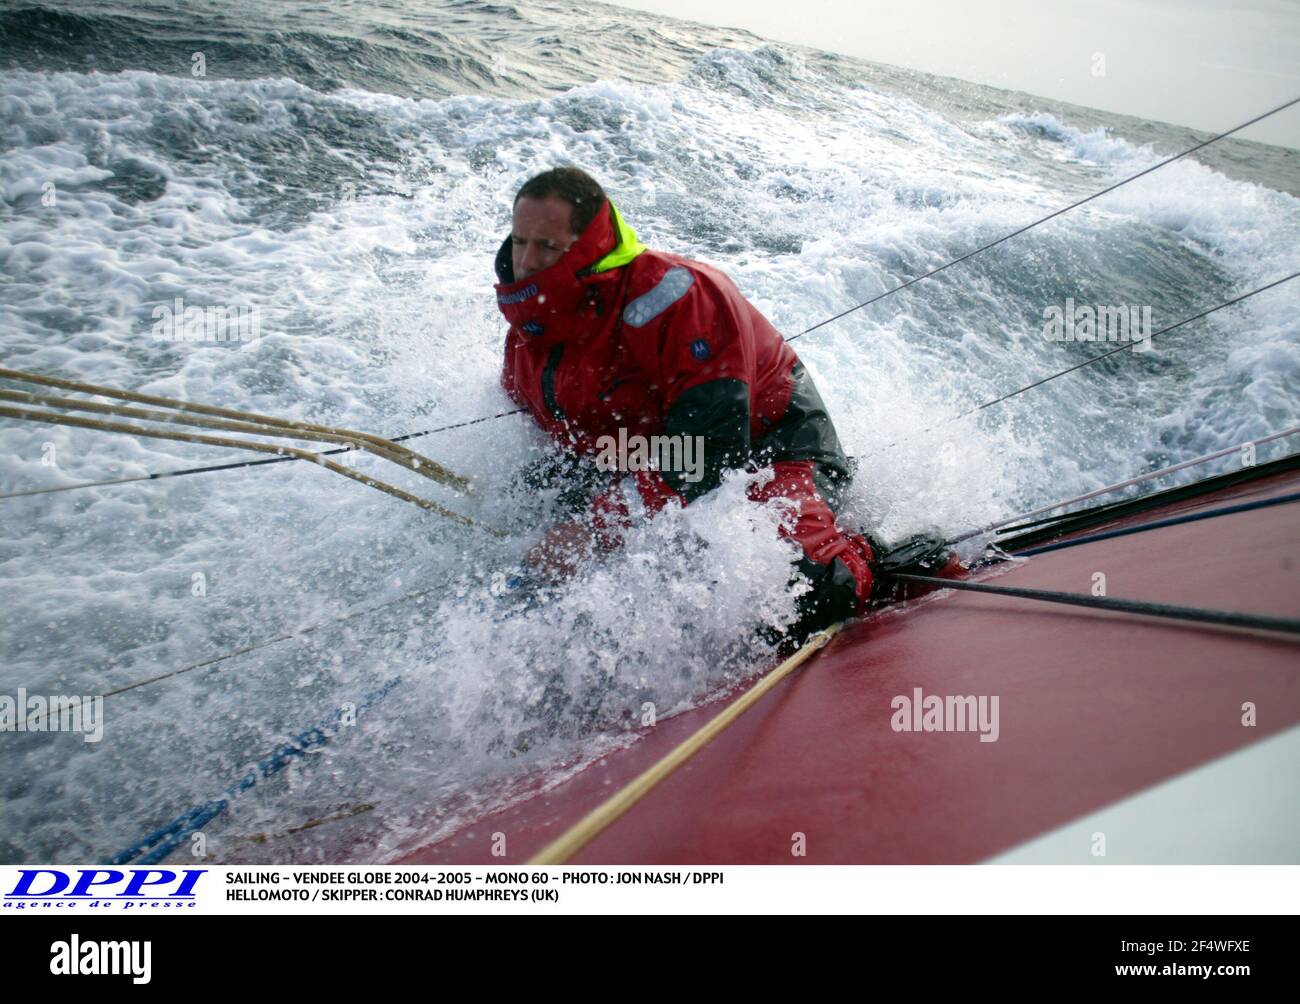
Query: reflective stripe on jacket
[614, 336]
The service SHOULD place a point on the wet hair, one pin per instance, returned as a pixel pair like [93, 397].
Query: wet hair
[576, 187]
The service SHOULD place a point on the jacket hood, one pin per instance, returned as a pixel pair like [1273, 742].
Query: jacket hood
[571, 297]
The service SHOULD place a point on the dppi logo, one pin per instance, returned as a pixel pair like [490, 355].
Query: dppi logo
[138, 888]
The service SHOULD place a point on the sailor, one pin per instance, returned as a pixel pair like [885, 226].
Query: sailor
[611, 339]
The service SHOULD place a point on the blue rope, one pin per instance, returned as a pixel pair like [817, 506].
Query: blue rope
[521, 591]
[157, 845]
[1171, 521]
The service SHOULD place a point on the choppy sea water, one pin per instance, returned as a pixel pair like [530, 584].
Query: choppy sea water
[347, 170]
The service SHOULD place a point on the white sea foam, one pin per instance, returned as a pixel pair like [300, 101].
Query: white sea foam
[377, 314]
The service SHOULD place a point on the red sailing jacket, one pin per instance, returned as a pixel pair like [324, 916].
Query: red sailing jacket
[656, 345]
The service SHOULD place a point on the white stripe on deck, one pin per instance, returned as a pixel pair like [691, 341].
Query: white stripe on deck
[1243, 808]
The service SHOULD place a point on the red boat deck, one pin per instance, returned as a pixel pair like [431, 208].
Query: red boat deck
[1093, 706]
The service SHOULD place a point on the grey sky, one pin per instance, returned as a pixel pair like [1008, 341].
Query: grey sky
[1209, 64]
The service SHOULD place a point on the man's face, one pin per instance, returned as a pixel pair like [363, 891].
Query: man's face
[540, 234]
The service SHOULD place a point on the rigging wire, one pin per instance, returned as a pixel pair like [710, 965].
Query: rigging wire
[865, 303]
[1229, 618]
[156, 845]
[1193, 517]
[1003, 525]
[1074, 205]
[1080, 365]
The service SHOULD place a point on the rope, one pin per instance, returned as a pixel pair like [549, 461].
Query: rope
[1116, 487]
[241, 444]
[246, 649]
[1087, 362]
[382, 447]
[966, 414]
[596, 821]
[1157, 524]
[245, 463]
[864, 303]
[262, 838]
[460, 425]
[417, 594]
[1049, 216]
[351, 444]
[1258, 622]
[163, 474]
[161, 842]
[155, 846]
